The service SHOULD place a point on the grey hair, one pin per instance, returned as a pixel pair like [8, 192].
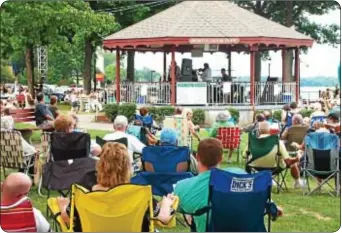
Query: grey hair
[264, 127]
[222, 117]
[297, 119]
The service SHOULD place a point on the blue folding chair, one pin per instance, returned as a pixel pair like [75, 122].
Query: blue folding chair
[321, 119]
[322, 161]
[238, 202]
[163, 166]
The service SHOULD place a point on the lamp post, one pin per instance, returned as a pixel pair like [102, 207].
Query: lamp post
[152, 71]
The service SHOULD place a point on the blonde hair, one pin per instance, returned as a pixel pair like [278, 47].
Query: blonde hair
[185, 112]
[114, 167]
[63, 123]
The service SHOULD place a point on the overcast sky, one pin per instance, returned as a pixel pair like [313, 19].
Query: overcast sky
[320, 60]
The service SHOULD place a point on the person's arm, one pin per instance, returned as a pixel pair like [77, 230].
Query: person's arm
[137, 146]
[42, 224]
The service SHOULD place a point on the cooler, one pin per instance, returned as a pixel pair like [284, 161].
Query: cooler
[287, 97]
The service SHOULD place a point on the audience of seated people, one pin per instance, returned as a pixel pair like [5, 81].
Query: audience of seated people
[113, 169]
[7, 124]
[193, 192]
[66, 124]
[120, 127]
[270, 160]
[317, 111]
[53, 106]
[297, 122]
[15, 187]
[44, 117]
[222, 121]
[168, 137]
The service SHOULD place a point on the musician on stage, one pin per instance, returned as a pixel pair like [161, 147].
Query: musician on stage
[225, 77]
[206, 73]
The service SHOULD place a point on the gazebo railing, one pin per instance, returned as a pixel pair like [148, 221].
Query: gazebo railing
[159, 93]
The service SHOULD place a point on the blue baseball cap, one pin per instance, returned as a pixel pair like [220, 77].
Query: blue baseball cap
[168, 136]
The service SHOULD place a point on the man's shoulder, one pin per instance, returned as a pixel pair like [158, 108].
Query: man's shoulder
[235, 170]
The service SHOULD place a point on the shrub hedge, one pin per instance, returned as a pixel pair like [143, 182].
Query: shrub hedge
[158, 113]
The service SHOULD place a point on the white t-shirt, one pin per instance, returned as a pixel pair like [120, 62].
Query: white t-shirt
[134, 144]
[42, 224]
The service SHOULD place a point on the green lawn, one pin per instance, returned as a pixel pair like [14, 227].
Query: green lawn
[316, 213]
[36, 134]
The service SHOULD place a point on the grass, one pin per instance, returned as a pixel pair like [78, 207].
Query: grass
[35, 138]
[315, 213]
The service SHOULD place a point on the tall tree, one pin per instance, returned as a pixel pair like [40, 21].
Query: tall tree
[30, 24]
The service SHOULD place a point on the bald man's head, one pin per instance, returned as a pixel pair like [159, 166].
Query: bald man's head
[15, 186]
[297, 119]
[264, 128]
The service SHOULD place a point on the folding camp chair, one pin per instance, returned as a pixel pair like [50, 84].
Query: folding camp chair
[163, 166]
[120, 209]
[68, 162]
[101, 141]
[295, 133]
[321, 160]
[259, 147]
[238, 202]
[12, 154]
[230, 138]
[18, 217]
[182, 128]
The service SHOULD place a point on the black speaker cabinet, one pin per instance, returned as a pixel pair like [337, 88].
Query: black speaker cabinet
[185, 78]
[186, 67]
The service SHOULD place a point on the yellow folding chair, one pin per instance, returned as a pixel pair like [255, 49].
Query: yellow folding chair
[120, 209]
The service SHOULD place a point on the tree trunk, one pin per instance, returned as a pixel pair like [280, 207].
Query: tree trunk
[30, 69]
[89, 50]
[289, 54]
[130, 66]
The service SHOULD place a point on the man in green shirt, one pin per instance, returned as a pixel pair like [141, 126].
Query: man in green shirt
[193, 192]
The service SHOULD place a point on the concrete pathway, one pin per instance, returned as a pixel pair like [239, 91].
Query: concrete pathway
[86, 121]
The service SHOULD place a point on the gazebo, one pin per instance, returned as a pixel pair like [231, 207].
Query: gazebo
[192, 24]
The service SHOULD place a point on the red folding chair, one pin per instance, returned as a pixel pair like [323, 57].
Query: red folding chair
[230, 138]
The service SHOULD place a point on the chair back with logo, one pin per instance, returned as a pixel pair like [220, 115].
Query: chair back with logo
[120, 209]
[12, 154]
[101, 141]
[18, 217]
[241, 198]
[66, 146]
[230, 137]
[166, 159]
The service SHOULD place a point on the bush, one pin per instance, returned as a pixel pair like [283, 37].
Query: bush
[234, 113]
[111, 111]
[198, 117]
[277, 115]
[160, 113]
[306, 112]
[128, 110]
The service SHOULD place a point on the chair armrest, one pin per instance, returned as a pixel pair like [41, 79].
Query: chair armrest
[272, 210]
[136, 155]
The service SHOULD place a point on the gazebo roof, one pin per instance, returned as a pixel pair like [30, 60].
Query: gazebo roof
[206, 22]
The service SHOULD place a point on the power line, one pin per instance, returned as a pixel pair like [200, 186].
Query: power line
[134, 7]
